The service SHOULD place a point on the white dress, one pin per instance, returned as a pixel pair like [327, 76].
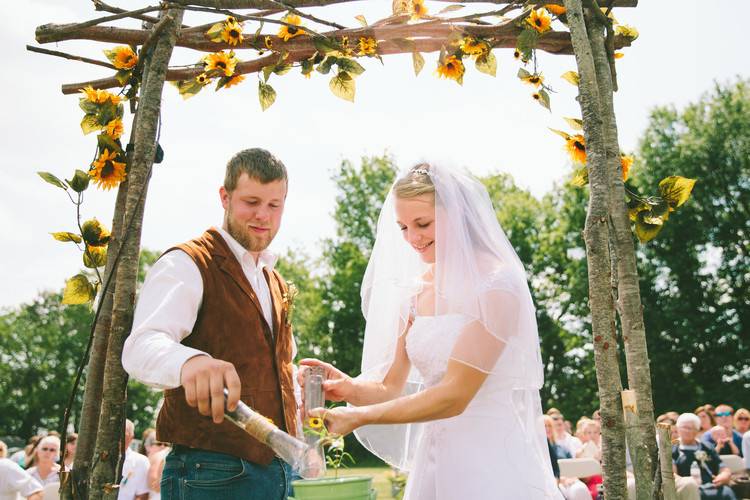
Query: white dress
[494, 450]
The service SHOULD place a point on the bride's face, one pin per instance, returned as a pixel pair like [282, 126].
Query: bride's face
[416, 219]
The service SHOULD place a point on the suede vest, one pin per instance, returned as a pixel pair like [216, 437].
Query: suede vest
[230, 327]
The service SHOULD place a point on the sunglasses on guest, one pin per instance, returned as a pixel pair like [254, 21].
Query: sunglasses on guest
[723, 413]
[743, 418]
[49, 449]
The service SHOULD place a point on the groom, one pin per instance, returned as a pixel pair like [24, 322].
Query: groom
[212, 313]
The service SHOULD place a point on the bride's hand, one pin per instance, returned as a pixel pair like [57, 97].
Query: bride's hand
[340, 420]
[338, 386]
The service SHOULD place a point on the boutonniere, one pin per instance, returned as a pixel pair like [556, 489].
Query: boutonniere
[701, 456]
[288, 301]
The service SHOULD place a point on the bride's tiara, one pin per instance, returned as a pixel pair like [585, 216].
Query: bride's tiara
[421, 171]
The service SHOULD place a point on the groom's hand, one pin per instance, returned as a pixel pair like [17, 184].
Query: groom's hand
[338, 386]
[204, 379]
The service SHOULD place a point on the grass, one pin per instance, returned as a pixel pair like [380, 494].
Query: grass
[379, 474]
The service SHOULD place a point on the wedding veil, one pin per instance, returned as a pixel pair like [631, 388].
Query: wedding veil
[477, 274]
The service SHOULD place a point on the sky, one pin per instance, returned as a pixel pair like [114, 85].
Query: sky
[488, 125]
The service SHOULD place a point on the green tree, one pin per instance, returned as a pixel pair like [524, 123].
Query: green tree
[41, 345]
[695, 281]
[362, 190]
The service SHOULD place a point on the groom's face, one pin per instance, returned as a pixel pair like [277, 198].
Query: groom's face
[253, 210]
[416, 219]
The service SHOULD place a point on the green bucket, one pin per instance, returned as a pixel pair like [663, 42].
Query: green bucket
[342, 488]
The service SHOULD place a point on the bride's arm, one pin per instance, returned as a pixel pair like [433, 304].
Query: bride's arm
[448, 398]
[341, 387]
[365, 392]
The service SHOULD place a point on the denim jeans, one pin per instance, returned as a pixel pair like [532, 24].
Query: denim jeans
[193, 474]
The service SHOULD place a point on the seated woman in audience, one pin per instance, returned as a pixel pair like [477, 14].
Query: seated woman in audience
[706, 414]
[742, 420]
[572, 488]
[45, 468]
[714, 475]
[71, 443]
[562, 437]
[724, 445]
[591, 438]
[724, 418]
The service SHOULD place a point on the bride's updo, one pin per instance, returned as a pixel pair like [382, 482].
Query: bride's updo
[415, 183]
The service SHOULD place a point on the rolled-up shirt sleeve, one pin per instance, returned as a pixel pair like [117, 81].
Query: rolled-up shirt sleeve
[165, 314]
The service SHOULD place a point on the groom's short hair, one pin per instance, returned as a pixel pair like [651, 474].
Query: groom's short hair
[258, 164]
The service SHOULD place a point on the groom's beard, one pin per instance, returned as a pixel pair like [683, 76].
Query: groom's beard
[245, 236]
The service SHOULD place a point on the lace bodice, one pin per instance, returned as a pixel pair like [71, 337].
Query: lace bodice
[429, 344]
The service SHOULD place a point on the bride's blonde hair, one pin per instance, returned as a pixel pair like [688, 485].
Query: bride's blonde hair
[415, 183]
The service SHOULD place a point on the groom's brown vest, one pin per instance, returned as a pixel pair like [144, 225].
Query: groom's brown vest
[230, 327]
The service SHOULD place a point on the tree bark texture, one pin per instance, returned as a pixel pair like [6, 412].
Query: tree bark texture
[643, 447]
[596, 236]
[92, 394]
[111, 419]
[669, 490]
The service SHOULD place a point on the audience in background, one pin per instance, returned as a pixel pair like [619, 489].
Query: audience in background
[706, 415]
[693, 457]
[724, 418]
[46, 469]
[742, 421]
[15, 481]
[71, 442]
[134, 481]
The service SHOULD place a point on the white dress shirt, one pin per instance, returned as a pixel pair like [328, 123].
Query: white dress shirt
[134, 481]
[167, 309]
[14, 481]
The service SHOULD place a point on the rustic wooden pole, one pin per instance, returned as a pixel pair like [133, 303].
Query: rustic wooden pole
[111, 418]
[596, 236]
[669, 490]
[642, 442]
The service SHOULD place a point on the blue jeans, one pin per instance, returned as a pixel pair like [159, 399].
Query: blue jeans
[193, 474]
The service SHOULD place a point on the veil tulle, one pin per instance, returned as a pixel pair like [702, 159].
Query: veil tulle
[476, 274]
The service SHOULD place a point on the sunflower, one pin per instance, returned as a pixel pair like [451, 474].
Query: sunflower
[517, 54]
[626, 161]
[418, 9]
[287, 32]
[220, 63]
[106, 171]
[315, 423]
[202, 79]
[536, 80]
[124, 57]
[452, 68]
[100, 96]
[232, 32]
[473, 47]
[114, 129]
[95, 234]
[95, 256]
[234, 80]
[540, 20]
[367, 46]
[627, 31]
[576, 147]
[557, 10]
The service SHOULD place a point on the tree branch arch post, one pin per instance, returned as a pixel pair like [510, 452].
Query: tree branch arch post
[610, 249]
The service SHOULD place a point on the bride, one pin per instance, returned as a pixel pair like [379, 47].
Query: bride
[451, 368]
